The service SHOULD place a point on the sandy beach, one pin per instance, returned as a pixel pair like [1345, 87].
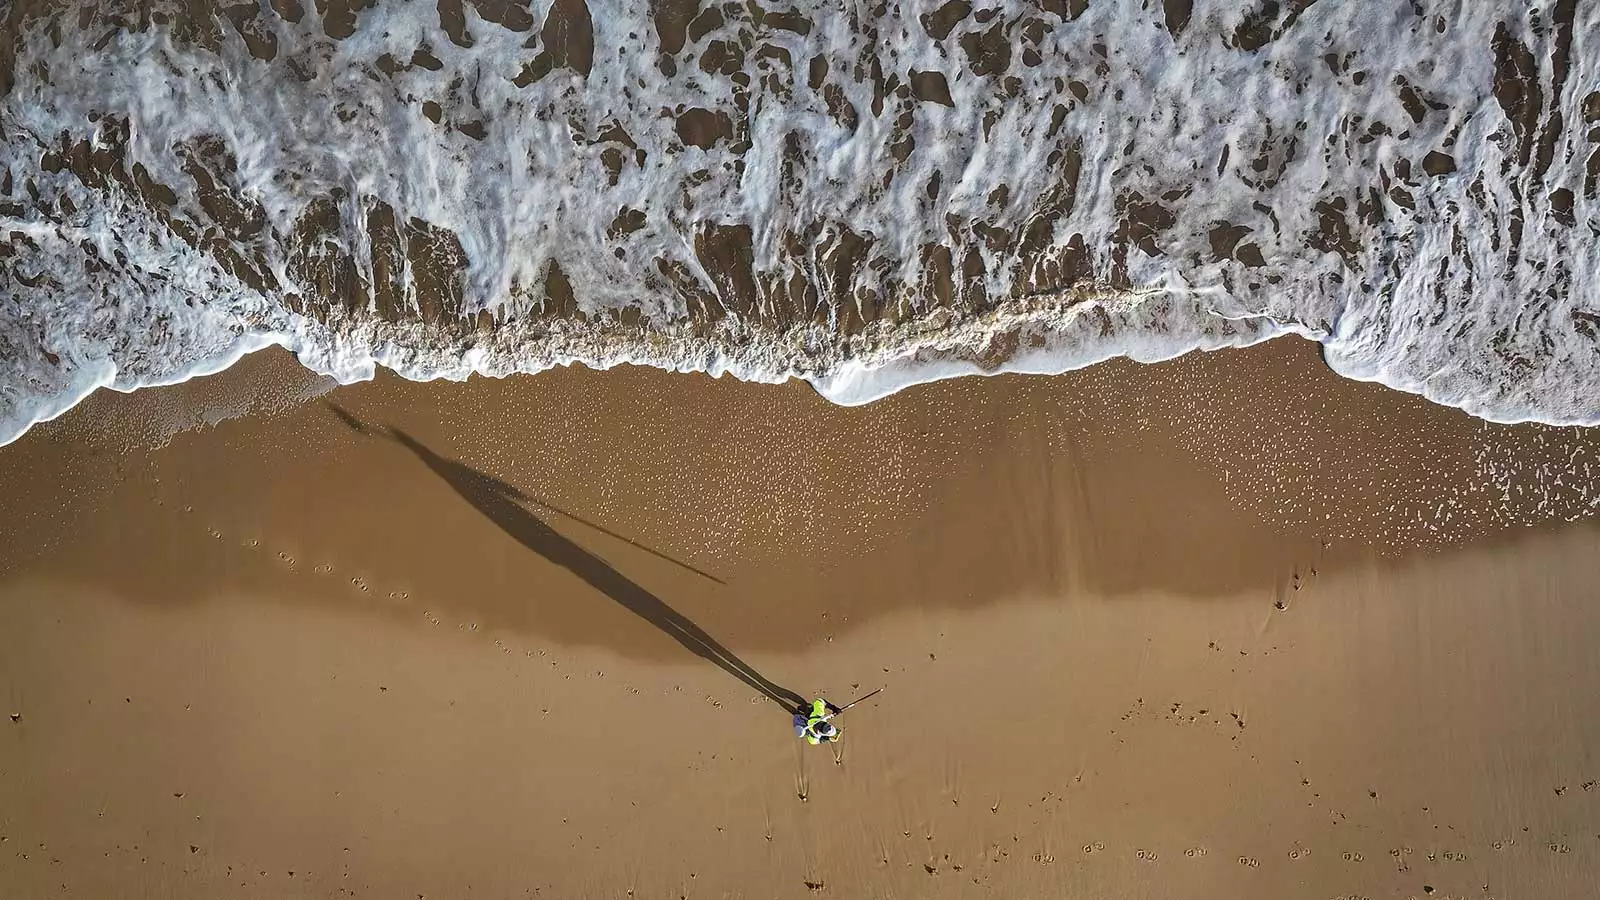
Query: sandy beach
[1227, 626]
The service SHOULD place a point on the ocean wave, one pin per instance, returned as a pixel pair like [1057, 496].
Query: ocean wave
[864, 195]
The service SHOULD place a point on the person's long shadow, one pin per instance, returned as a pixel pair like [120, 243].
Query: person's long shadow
[502, 504]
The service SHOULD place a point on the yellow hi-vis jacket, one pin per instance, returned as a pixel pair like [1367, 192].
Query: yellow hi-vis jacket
[819, 715]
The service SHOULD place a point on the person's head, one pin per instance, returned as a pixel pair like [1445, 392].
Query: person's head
[827, 730]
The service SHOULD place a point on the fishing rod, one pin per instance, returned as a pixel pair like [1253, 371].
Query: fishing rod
[840, 710]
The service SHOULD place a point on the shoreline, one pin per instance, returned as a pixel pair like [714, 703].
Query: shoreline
[849, 381]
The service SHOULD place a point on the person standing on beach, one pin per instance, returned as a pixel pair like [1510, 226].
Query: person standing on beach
[815, 728]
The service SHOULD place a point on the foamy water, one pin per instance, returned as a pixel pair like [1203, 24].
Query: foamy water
[865, 196]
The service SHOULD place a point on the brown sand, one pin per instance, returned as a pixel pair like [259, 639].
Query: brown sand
[1223, 627]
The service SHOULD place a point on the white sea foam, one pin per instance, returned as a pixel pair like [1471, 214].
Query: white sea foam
[1287, 147]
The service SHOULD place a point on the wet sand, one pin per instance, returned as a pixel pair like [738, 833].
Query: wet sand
[1227, 626]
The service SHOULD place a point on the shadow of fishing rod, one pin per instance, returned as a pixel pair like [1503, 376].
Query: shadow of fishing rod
[535, 501]
[361, 427]
[502, 503]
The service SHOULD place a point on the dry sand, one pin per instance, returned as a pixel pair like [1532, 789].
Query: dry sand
[1226, 627]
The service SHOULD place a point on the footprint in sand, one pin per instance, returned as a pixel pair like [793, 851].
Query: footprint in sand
[1195, 852]
[360, 584]
[1351, 856]
[1146, 855]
